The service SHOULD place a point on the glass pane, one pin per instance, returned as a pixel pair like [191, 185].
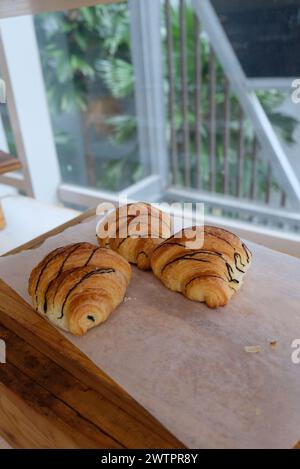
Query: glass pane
[88, 73]
[214, 145]
[265, 35]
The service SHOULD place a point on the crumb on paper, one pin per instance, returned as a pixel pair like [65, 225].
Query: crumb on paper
[252, 348]
[257, 411]
[128, 298]
[273, 343]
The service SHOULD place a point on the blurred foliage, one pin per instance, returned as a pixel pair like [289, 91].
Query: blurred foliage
[73, 42]
[81, 47]
[79, 50]
[270, 100]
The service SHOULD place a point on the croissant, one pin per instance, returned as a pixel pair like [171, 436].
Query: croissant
[134, 231]
[77, 286]
[211, 272]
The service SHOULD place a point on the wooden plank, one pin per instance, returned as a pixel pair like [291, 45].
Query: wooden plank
[8, 163]
[9, 8]
[31, 418]
[4, 444]
[123, 414]
[2, 217]
[99, 414]
[19, 317]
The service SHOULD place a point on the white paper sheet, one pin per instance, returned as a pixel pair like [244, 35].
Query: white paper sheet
[186, 363]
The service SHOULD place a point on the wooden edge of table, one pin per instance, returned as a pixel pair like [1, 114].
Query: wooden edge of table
[10, 166]
[8, 163]
[21, 325]
[2, 218]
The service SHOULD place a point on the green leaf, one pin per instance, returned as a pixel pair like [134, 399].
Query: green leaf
[117, 75]
[124, 127]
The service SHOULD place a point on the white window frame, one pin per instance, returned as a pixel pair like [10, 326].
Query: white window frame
[36, 149]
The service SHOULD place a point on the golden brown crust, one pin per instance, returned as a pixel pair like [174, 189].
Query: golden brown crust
[79, 285]
[134, 231]
[210, 272]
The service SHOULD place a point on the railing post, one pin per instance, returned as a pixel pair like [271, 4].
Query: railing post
[149, 96]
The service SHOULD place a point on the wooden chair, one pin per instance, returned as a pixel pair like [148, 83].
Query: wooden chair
[7, 163]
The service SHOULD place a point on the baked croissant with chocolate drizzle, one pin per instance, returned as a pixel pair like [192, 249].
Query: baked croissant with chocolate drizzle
[134, 230]
[77, 286]
[210, 271]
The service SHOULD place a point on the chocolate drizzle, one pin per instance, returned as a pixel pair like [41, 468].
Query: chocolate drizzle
[247, 252]
[190, 256]
[168, 243]
[62, 268]
[184, 257]
[55, 254]
[122, 241]
[131, 217]
[230, 272]
[219, 237]
[91, 256]
[88, 275]
[50, 257]
[236, 256]
[226, 231]
[209, 276]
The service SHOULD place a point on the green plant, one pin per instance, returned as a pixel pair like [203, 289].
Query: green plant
[72, 43]
[119, 78]
[79, 49]
[85, 47]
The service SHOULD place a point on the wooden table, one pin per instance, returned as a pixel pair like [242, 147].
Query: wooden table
[7, 164]
[53, 396]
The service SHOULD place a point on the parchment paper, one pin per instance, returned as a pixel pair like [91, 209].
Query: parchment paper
[186, 363]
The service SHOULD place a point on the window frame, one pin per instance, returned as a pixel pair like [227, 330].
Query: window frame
[155, 182]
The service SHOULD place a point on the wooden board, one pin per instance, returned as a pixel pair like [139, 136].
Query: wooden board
[8, 163]
[237, 389]
[53, 396]
[33, 7]
[2, 218]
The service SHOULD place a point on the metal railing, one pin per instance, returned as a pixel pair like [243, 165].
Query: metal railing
[212, 143]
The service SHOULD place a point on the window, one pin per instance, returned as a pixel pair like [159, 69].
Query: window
[89, 78]
[164, 100]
